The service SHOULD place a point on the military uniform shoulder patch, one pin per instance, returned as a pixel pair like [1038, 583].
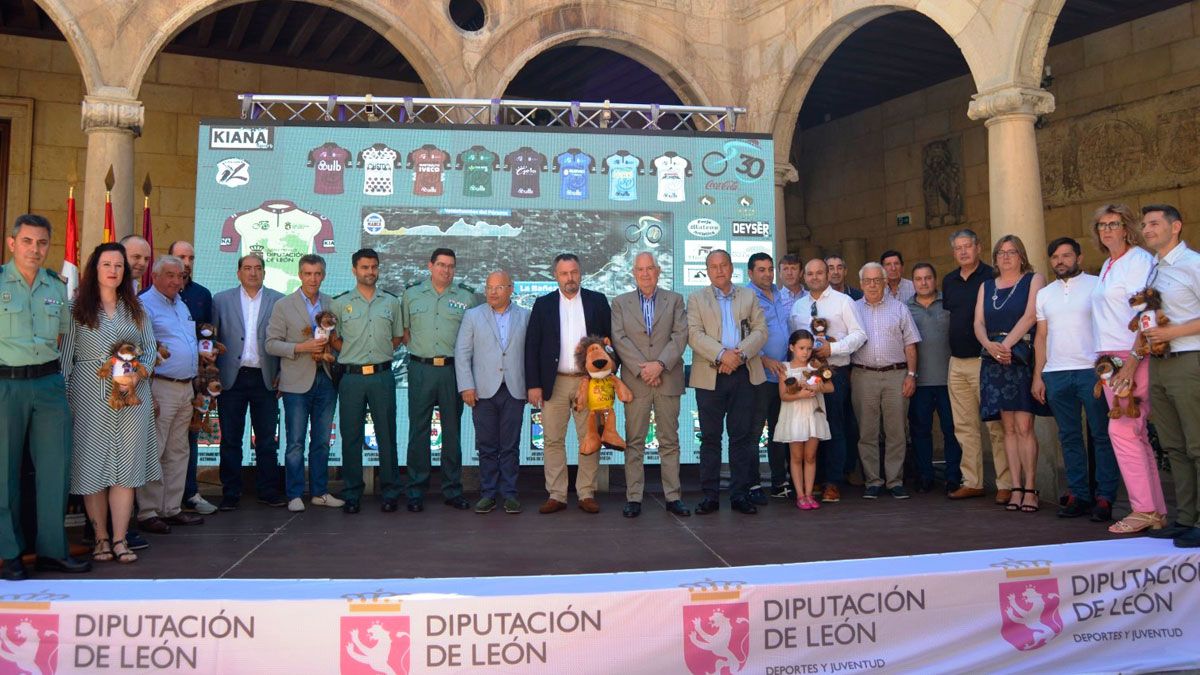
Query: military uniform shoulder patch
[54, 275]
[413, 283]
[467, 288]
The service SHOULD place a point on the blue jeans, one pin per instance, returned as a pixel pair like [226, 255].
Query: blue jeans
[831, 454]
[498, 438]
[1069, 392]
[924, 403]
[312, 410]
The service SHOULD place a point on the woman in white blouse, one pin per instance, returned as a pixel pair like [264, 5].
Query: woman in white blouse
[1127, 270]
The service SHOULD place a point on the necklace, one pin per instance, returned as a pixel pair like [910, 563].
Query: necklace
[996, 294]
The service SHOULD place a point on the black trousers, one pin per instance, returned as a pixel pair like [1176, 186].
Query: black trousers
[729, 406]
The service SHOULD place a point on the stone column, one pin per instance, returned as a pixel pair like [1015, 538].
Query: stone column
[1014, 178]
[111, 124]
[784, 173]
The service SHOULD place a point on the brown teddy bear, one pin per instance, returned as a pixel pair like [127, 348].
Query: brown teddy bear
[326, 324]
[1148, 305]
[820, 330]
[203, 404]
[596, 394]
[210, 348]
[1125, 404]
[122, 368]
[818, 375]
[162, 355]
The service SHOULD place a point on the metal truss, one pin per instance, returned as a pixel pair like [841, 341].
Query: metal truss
[511, 112]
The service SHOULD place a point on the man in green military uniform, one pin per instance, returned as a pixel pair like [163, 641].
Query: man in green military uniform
[368, 332]
[34, 317]
[433, 311]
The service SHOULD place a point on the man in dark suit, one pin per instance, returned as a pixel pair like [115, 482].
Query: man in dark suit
[558, 321]
[726, 330]
[649, 329]
[248, 380]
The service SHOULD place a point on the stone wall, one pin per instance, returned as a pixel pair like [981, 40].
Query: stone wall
[1126, 128]
[178, 91]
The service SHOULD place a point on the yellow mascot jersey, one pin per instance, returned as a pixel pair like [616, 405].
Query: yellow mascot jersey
[601, 393]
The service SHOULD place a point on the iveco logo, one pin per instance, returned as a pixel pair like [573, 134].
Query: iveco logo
[704, 227]
[241, 138]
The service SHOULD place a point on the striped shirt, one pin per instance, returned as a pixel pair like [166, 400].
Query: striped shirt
[648, 308]
[889, 327]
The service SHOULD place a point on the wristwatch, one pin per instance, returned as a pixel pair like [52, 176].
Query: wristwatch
[912, 374]
[1134, 354]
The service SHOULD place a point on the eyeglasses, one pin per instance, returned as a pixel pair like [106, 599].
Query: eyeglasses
[812, 309]
[1007, 253]
[872, 282]
[1110, 226]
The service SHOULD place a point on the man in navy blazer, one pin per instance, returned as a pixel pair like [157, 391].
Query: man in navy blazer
[248, 380]
[558, 322]
[489, 364]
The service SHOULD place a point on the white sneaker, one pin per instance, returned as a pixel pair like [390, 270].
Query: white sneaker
[328, 500]
[201, 505]
[295, 505]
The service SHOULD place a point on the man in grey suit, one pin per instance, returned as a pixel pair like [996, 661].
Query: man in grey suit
[308, 392]
[248, 375]
[649, 330]
[726, 330]
[489, 363]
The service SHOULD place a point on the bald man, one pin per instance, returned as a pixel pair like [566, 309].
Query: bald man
[140, 256]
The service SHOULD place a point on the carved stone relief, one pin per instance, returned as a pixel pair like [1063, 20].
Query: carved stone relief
[942, 181]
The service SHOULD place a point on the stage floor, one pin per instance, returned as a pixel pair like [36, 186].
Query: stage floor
[258, 541]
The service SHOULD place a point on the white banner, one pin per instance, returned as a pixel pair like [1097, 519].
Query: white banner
[1111, 606]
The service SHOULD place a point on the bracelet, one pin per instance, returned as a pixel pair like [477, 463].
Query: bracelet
[1135, 354]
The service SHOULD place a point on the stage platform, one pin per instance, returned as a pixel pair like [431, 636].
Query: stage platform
[258, 541]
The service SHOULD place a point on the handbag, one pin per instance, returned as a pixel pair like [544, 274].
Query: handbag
[1022, 352]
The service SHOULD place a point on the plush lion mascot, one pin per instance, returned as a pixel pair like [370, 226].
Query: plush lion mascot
[597, 393]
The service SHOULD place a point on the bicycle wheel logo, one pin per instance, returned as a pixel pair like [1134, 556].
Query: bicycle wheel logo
[745, 159]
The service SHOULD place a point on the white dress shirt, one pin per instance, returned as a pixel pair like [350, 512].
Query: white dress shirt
[1066, 307]
[250, 307]
[571, 329]
[1111, 312]
[844, 325]
[1178, 281]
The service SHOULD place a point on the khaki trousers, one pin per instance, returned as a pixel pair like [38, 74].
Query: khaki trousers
[163, 497]
[1175, 406]
[879, 404]
[666, 430]
[963, 384]
[557, 411]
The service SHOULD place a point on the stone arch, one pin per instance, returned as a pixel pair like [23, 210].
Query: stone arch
[1035, 42]
[685, 85]
[427, 61]
[64, 19]
[815, 50]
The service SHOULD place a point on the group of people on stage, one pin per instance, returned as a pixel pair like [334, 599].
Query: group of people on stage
[841, 377]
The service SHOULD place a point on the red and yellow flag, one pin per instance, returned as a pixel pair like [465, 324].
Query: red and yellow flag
[70, 268]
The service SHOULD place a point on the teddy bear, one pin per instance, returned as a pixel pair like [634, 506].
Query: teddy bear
[820, 330]
[1148, 305]
[203, 404]
[818, 374]
[326, 323]
[1124, 403]
[121, 368]
[162, 355]
[209, 347]
[596, 394]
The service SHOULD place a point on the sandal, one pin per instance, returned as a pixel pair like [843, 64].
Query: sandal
[1015, 506]
[102, 552]
[123, 553]
[1136, 522]
[1035, 506]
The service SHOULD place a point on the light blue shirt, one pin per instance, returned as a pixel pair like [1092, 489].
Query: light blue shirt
[730, 337]
[502, 321]
[648, 309]
[175, 329]
[314, 308]
[776, 311]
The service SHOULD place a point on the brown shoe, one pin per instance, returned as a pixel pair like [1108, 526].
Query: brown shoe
[966, 493]
[552, 506]
[1002, 496]
[589, 505]
[184, 518]
[831, 494]
[154, 525]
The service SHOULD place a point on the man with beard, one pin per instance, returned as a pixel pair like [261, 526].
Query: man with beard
[1063, 377]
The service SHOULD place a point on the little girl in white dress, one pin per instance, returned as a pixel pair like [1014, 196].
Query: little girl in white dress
[802, 421]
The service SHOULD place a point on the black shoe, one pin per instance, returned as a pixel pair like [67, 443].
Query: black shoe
[923, 485]
[13, 570]
[676, 507]
[632, 510]
[783, 492]
[390, 506]
[708, 506]
[136, 541]
[154, 525]
[1074, 508]
[460, 502]
[67, 565]
[229, 504]
[1189, 539]
[351, 506]
[415, 506]
[184, 518]
[1169, 532]
[758, 496]
[1102, 511]
[743, 506]
[271, 500]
